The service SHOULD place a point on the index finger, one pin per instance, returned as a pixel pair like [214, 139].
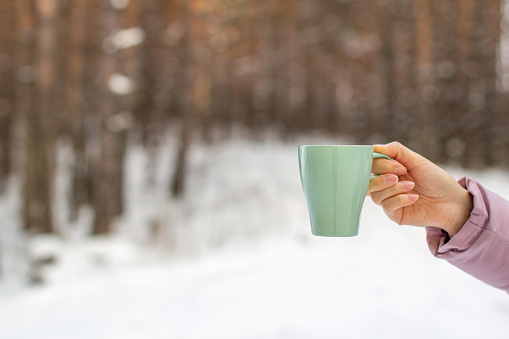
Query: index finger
[384, 166]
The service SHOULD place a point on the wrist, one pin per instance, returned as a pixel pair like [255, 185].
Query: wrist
[460, 213]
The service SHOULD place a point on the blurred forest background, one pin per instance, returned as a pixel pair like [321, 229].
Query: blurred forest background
[101, 75]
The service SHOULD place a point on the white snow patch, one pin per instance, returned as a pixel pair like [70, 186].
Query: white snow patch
[121, 84]
[129, 37]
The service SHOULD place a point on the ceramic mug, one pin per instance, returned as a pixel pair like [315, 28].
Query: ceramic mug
[335, 180]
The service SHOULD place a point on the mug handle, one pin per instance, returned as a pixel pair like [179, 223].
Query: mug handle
[376, 156]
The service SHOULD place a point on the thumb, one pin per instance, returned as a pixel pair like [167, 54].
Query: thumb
[400, 153]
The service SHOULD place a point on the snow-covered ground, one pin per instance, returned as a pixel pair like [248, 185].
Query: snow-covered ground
[236, 260]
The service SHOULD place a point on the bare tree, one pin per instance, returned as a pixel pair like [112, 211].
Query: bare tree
[106, 163]
[196, 95]
[7, 88]
[75, 105]
[38, 119]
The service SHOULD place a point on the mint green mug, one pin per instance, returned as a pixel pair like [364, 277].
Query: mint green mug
[335, 180]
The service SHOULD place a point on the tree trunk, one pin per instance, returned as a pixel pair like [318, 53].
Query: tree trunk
[106, 163]
[40, 125]
[76, 71]
[7, 87]
[196, 96]
[490, 45]
[423, 135]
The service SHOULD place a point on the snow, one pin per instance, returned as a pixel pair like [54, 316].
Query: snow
[128, 37]
[121, 84]
[235, 259]
[119, 4]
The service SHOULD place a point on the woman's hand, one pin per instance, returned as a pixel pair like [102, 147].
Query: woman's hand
[414, 191]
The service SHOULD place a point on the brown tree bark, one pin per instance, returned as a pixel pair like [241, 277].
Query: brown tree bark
[196, 96]
[106, 162]
[153, 88]
[423, 135]
[37, 112]
[75, 105]
[151, 21]
[7, 87]
[493, 113]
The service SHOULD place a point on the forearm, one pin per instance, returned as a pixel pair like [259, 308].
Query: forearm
[481, 246]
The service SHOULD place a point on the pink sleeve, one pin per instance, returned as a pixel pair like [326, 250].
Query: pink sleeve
[481, 247]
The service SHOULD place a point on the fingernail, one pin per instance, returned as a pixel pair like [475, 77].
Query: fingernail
[413, 197]
[401, 170]
[391, 179]
[407, 185]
